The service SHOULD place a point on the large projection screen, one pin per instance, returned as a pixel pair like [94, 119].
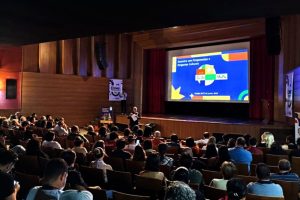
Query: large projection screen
[217, 73]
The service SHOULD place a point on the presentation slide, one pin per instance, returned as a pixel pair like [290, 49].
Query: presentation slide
[220, 76]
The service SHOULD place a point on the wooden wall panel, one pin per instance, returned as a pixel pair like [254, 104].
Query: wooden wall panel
[67, 56]
[200, 34]
[48, 57]
[30, 57]
[11, 59]
[78, 99]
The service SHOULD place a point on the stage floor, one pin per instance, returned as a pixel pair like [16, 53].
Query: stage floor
[194, 126]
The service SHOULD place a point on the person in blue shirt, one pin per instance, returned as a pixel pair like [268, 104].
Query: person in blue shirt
[285, 173]
[239, 155]
[264, 186]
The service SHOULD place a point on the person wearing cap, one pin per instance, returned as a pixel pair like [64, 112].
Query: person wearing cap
[99, 163]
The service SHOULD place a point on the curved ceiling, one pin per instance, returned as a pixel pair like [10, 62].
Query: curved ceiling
[29, 22]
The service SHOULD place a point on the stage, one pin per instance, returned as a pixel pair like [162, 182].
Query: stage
[185, 126]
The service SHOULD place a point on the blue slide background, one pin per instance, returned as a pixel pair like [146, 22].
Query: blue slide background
[237, 82]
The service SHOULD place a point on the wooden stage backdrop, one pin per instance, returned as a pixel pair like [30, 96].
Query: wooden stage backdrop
[185, 126]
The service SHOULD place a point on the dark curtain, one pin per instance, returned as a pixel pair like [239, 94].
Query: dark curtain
[261, 79]
[155, 78]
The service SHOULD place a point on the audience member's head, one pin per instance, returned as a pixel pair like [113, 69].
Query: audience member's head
[240, 142]
[147, 144]
[162, 149]
[284, 165]
[139, 154]
[75, 129]
[236, 189]
[276, 147]
[7, 160]
[120, 144]
[69, 156]
[178, 190]
[262, 171]
[189, 142]
[99, 143]
[49, 136]
[252, 141]
[33, 147]
[206, 135]
[223, 154]
[157, 134]
[114, 128]
[135, 129]
[140, 132]
[113, 135]
[231, 143]
[102, 131]
[267, 138]
[127, 132]
[90, 128]
[152, 162]
[228, 170]
[212, 140]
[174, 138]
[181, 174]
[211, 151]
[186, 160]
[78, 142]
[55, 173]
[99, 153]
[147, 131]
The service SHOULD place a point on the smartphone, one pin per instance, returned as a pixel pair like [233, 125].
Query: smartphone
[137, 142]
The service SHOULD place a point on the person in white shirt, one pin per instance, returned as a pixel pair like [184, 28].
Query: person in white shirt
[61, 129]
[49, 141]
[99, 163]
[79, 146]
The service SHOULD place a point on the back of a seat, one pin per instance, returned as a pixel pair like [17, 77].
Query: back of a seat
[255, 197]
[210, 175]
[290, 189]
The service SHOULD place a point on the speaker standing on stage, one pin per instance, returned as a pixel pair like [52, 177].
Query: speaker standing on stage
[123, 101]
[134, 117]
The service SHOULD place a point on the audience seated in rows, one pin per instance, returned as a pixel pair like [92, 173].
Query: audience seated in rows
[204, 140]
[211, 140]
[174, 141]
[211, 151]
[33, 148]
[91, 131]
[189, 142]
[148, 146]
[156, 140]
[264, 186]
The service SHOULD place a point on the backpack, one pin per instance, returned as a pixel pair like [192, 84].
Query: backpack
[41, 195]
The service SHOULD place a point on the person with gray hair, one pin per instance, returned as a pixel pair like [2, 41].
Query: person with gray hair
[285, 173]
[178, 190]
